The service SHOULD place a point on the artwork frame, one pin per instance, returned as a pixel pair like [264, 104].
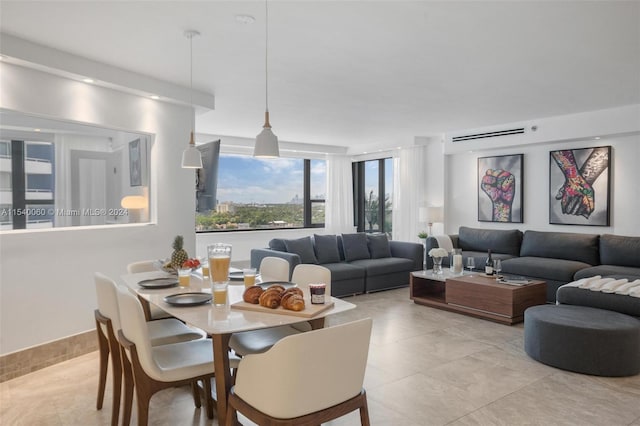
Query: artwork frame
[135, 163]
[580, 186]
[500, 188]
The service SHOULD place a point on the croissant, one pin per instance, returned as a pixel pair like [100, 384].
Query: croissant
[293, 302]
[293, 290]
[276, 287]
[252, 294]
[270, 298]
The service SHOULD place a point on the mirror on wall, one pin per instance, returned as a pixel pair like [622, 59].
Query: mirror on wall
[56, 173]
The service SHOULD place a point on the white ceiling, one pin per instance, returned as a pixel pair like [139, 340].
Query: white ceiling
[361, 72]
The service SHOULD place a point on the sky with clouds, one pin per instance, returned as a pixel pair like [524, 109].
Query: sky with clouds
[245, 179]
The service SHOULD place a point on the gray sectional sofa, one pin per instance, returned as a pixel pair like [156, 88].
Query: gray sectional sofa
[555, 257]
[359, 262]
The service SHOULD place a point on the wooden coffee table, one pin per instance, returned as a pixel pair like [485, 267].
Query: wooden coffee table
[476, 295]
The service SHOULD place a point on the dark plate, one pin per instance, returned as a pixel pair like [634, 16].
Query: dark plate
[236, 276]
[286, 284]
[188, 299]
[159, 283]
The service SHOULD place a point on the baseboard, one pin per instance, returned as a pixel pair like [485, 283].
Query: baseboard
[26, 361]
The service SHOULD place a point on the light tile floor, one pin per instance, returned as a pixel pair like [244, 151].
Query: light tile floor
[426, 367]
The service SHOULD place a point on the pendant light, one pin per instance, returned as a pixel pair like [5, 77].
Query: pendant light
[191, 157]
[266, 141]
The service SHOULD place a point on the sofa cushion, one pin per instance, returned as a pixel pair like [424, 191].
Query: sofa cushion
[384, 266]
[561, 245]
[326, 248]
[303, 247]
[620, 250]
[609, 271]
[344, 271]
[596, 299]
[543, 268]
[277, 244]
[355, 246]
[498, 241]
[378, 246]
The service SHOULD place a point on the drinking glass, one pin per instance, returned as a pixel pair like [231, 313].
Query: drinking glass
[249, 276]
[497, 267]
[471, 263]
[220, 290]
[219, 259]
[184, 277]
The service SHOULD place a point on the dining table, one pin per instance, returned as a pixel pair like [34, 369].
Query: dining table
[220, 322]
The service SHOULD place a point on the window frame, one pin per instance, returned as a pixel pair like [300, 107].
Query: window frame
[359, 193]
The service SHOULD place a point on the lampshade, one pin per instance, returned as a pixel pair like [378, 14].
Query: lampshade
[133, 202]
[191, 158]
[423, 214]
[435, 214]
[266, 144]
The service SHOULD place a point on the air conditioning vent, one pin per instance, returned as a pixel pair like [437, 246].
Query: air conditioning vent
[488, 135]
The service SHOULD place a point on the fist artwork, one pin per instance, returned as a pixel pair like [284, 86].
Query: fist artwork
[500, 186]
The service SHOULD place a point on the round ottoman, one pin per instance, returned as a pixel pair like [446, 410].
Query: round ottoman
[582, 339]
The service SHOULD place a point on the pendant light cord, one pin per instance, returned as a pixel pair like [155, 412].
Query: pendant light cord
[266, 56]
[193, 111]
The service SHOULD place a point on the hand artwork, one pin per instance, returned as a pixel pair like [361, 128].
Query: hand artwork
[576, 195]
[500, 186]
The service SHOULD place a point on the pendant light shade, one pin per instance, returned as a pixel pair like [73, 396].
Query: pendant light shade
[266, 141]
[191, 157]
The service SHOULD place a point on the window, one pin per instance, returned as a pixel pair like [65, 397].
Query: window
[373, 213]
[254, 193]
[60, 174]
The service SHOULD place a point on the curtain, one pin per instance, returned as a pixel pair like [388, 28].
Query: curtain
[409, 194]
[339, 201]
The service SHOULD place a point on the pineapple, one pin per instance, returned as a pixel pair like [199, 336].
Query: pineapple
[179, 255]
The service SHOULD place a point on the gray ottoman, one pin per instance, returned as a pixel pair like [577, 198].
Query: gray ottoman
[582, 339]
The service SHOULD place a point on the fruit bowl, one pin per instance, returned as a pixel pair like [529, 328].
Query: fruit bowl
[165, 265]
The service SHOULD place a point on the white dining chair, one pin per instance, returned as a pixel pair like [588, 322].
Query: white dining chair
[321, 379]
[155, 368]
[151, 312]
[107, 325]
[258, 341]
[274, 269]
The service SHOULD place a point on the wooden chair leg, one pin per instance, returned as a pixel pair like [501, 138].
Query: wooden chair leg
[116, 363]
[364, 412]
[103, 347]
[231, 414]
[195, 390]
[208, 399]
[128, 389]
[143, 400]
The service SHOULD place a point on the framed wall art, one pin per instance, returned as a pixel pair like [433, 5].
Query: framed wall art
[135, 163]
[500, 188]
[580, 186]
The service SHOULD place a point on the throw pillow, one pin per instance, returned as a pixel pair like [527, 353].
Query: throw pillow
[303, 248]
[355, 247]
[378, 246]
[277, 244]
[326, 247]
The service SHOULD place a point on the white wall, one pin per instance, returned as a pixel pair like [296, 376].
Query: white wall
[461, 189]
[46, 276]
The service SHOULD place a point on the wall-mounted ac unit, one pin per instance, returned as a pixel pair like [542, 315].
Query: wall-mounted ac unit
[463, 138]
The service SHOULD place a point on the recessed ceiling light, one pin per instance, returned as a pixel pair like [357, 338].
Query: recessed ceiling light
[87, 80]
[2, 57]
[36, 130]
[155, 97]
[597, 138]
[245, 19]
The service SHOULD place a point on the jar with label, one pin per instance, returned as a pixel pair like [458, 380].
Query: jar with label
[317, 293]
